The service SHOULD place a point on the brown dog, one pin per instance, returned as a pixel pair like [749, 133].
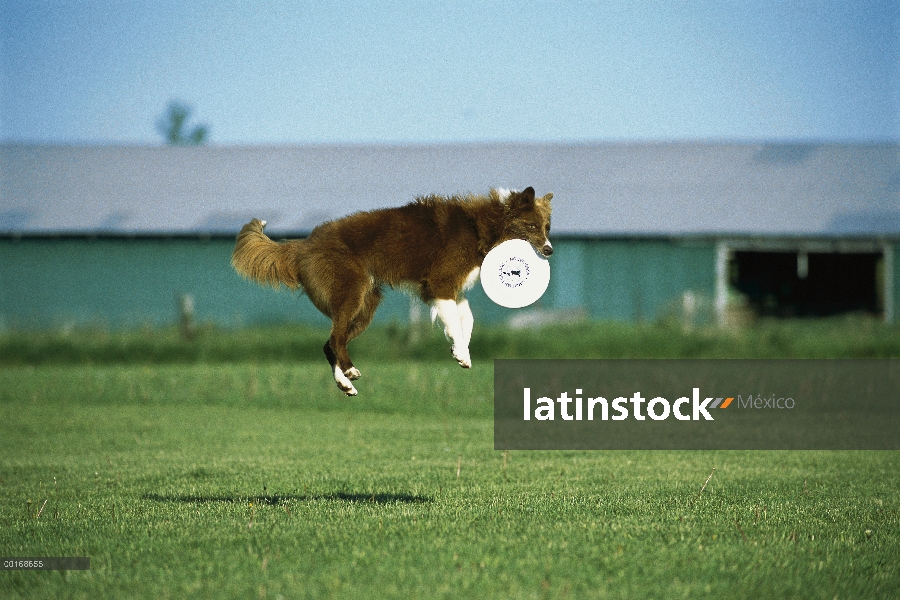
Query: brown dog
[433, 247]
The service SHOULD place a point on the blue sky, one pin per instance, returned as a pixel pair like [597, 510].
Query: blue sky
[417, 72]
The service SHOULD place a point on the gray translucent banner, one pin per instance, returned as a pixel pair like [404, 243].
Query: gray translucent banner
[697, 404]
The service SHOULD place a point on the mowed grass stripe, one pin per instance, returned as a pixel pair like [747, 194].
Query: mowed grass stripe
[192, 481]
[410, 387]
[844, 337]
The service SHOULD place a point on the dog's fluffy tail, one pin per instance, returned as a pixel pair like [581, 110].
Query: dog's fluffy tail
[259, 259]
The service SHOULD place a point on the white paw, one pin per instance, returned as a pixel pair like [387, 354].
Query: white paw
[352, 373]
[343, 383]
[262, 223]
[462, 357]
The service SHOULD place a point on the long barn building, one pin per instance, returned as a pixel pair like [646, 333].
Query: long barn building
[113, 236]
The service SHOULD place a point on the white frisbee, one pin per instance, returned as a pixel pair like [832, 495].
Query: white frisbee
[514, 275]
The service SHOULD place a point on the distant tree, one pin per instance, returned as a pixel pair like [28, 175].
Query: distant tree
[173, 126]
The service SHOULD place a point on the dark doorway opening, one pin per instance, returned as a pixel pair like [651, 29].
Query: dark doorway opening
[792, 284]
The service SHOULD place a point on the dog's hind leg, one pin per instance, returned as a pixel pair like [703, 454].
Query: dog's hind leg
[353, 303]
[343, 382]
[448, 312]
[362, 320]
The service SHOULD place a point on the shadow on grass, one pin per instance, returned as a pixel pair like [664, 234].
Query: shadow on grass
[276, 499]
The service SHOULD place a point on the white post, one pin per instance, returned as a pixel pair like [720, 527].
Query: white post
[415, 320]
[721, 281]
[888, 253]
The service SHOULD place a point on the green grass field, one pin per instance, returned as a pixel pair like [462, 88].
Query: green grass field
[220, 468]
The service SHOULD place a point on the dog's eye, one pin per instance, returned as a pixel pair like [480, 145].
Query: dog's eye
[533, 226]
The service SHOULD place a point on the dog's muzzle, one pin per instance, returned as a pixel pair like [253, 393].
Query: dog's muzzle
[547, 250]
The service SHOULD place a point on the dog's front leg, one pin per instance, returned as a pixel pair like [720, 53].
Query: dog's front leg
[449, 314]
[466, 320]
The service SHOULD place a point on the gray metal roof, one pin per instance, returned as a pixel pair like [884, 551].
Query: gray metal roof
[600, 189]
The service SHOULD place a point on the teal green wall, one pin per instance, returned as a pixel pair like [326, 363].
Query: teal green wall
[642, 280]
[115, 282]
[122, 283]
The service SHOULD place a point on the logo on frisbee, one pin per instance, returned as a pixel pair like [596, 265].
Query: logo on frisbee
[513, 272]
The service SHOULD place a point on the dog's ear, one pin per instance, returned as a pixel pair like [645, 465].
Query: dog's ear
[522, 199]
[528, 194]
[543, 203]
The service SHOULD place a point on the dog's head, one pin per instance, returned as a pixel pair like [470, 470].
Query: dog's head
[528, 218]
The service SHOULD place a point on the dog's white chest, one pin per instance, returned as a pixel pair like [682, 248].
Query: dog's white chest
[471, 279]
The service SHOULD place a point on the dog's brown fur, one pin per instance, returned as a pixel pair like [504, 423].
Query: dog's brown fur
[430, 246]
